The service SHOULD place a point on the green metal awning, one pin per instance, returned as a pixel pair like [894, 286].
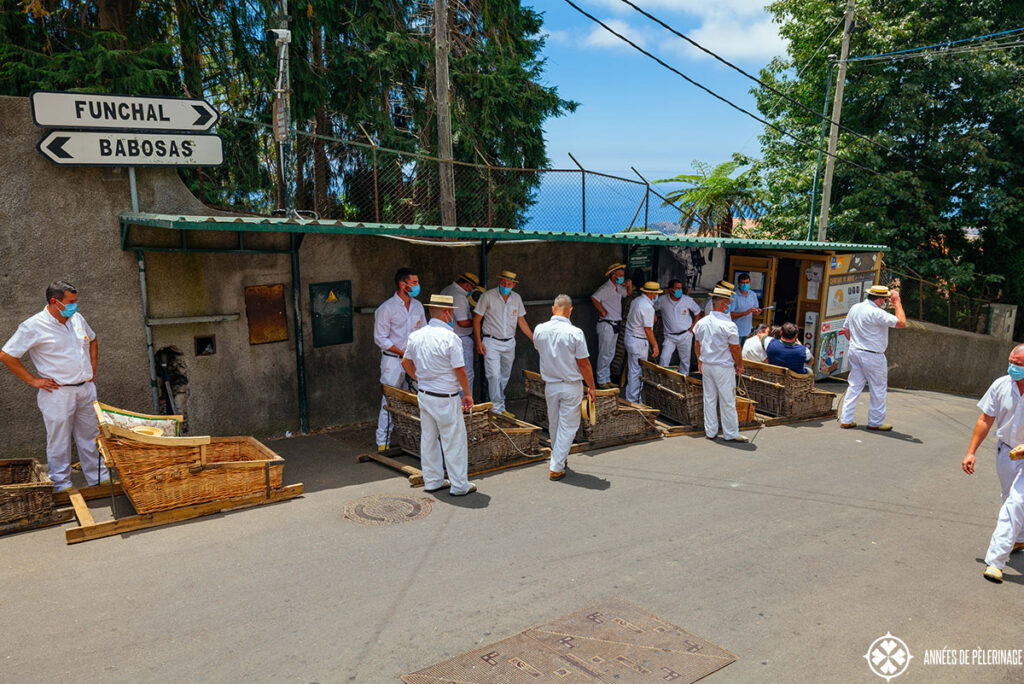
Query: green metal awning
[267, 224]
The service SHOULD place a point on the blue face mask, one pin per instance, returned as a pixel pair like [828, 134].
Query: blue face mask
[655, 300]
[744, 287]
[1016, 372]
[414, 291]
[620, 280]
[728, 309]
[505, 291]
[677, 293]
[69, 310]
[451, 323]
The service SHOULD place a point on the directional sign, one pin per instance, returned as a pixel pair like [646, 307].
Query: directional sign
[122, 148]
[97, 110]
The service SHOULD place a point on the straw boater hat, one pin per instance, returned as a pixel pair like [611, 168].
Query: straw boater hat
[615, 267]
[441, 302]
[470, 277]
[474, 296]
[722, 292]
[508, 275]
[651, 287]
[726, 284]
[878, 291]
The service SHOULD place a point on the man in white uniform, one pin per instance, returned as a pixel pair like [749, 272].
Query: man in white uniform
[744, 307]
[867, 327]
[564, 365]
[392, 322]
[719, 362]
[1002, 405]
[459, 292]
[709, 305]
[754, 347]
[64, 351]
[678, 314]
[608, 302]
[495, 319]
[640, 336]
[433, 359]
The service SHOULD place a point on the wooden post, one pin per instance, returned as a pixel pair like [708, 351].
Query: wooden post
[444, 121]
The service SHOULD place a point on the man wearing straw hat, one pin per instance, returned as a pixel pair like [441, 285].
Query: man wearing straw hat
[564, 365]
[608, 302]
[393, 321]
[709, 306]
[434, 360]
[459, 291]
[495, 318]
[63, 349]
[719, 361]
[640, 336]
[678, 314]
[867, 327]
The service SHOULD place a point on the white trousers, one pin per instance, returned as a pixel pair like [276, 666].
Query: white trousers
[393, 375]
[443, 443]
[1009, 524]
[636, 349]
[871, 369]
[67, 412]
[468, 347]
[563, 400]
[681, 343]
[498, 368]
[606, 340]
[720, 396]
[1007, 470]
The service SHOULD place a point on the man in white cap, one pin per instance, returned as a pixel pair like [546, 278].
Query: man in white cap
[678, 314]
[867, 327]
[392, 322]
[640, 336]
[495, 318]
[459, 291]
[719, 361]
[434, 360]
[64, 351]
[1002, 405]
[564, 365]
[608, 302]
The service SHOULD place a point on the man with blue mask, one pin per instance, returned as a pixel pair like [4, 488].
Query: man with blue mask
[867, 327]
[1003, 407]
[709, 305]
[392, 322]
[719, 361]
[459, 292]
[608, 302]
[678, 314]
[640, 336]
[498, 313]
[744, 307]
[64, 351]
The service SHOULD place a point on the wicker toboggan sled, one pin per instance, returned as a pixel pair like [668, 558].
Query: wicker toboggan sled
[681, 398]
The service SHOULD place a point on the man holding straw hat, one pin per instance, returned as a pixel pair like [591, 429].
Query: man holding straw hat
[433, 359]
[459, 292]
[719, 360]
[495, 318]
[608, 302]
[640, 336]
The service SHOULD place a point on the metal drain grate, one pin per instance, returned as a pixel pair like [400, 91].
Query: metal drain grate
[387, 510]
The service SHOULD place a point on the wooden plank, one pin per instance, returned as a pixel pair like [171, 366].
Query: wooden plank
[81, 510]
[88, 493]
[56, 517]
[543, 455]
[140, 522]
[383, 459]
[579, 447]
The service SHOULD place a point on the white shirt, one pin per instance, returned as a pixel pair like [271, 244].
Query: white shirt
[392, 322]
[436, 352]
[641, 315]
[869, 326]
[59, 351]
[501, 316]
[559, 343]
[462, 310]
[715, 333]
[741, 301]
[677, 314]
[754, 349]
[609, 296]
[1003, 401]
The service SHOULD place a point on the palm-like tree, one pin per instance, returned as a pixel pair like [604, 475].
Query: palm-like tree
[711, 197]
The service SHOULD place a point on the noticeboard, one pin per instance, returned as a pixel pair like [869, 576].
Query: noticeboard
[331, 308]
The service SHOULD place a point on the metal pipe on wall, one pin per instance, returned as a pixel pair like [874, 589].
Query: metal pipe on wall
[149, 331]
[300, 351]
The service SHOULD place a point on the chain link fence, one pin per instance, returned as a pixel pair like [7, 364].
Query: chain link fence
[938, 303]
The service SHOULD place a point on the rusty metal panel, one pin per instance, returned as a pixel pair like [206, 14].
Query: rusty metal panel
[331, 308]
[265, 312]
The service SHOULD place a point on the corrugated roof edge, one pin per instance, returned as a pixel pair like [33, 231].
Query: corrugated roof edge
[333, 227]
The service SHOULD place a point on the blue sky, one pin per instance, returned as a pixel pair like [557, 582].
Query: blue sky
[634, 111]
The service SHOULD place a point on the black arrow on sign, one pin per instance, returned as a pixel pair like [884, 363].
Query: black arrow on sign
[56, 147]
[204, 115]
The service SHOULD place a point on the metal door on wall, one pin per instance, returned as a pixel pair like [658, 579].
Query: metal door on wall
[762, 272]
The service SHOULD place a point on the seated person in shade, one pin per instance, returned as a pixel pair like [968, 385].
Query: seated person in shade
[787, 350]
[753, 348]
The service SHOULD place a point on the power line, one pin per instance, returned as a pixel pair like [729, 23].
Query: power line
[936, 45]
[976, 49]
[714, 94]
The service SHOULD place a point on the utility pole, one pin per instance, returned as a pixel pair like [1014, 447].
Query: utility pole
[833, 134]
[444, 117]
[821, 144]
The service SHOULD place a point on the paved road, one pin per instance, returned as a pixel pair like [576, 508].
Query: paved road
[795, 555]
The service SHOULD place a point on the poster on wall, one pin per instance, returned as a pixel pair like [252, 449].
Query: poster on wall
[814, 275]
[846, 290]
[832, 352]
[810, 326]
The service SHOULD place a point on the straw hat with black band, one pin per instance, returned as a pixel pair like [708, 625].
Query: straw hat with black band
[470, 278]
[726, 284]
[613, 268]
[878, 291]
[651, 287]
[722, 293]
[438, 301]
[508, 275]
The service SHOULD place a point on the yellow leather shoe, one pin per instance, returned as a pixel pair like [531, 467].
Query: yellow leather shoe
[556, 476]
[884, 427]
[381, 448]
[847, 426]
[1019, 546]
[994, 574]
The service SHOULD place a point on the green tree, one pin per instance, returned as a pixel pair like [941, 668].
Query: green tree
[713, 196]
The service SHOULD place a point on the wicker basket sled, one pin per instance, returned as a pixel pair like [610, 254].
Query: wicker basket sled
[681, 398]
[26, 496]
[617, 421]
[782, 393]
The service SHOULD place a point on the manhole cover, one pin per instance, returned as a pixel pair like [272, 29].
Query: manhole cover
[387, 510]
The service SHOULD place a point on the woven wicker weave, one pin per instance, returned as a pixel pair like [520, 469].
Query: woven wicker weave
[681, 398]
[25, 490]
[781, 392]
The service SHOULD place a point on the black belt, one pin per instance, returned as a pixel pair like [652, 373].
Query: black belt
[395, 356]
[608, 321]
[869, 351]
[500, 339]
[681, 332]
[77, 384]
[438, 394]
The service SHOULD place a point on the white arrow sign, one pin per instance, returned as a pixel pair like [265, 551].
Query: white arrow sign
[96, 110]
[121, 148]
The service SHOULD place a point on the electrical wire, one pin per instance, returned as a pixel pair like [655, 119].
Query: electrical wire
[977, 49]
[715, 95]
[937, 45]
